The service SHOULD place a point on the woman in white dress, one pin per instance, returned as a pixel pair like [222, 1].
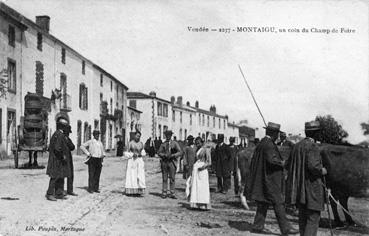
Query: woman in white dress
[199, 183]
[135, 174]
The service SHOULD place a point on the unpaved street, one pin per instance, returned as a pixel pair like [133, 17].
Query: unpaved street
[25, 211]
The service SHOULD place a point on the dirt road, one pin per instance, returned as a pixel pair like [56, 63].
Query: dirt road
[25, 211]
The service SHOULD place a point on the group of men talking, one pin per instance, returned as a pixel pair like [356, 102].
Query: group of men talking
[60, 162]
[304, 186]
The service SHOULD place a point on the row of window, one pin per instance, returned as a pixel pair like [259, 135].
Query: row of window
[11, 42]
[202, 121]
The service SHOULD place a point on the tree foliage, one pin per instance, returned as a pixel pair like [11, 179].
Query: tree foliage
[331, 131]
[365, 127]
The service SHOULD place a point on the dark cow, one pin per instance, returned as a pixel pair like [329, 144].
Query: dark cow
[348, 173]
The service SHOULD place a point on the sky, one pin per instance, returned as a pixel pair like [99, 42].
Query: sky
[294, 76]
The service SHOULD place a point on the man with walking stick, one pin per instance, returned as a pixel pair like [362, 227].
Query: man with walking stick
[305, 180]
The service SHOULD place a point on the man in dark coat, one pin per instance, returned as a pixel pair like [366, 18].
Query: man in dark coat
[189, 157]
[304, 183]
[57, 166]
[266, 181]
[223, 165]
[70, 162]
[283, 141]
[234, 161]
[169, 151]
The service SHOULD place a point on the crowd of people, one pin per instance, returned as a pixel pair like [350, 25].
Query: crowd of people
[270, 180]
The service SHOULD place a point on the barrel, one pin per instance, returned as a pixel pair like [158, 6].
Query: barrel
[32, 101]
[33, 121]
[33, 137]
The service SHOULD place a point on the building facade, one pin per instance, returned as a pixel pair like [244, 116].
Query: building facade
[34, 61]
[183, 119]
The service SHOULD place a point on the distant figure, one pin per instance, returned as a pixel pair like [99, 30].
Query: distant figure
[57, 166]
[120, 146]
[234, 163]
[199, 194]
[224, 165]
[169, 151]
[95, 156]
[135, 174]
[189, 157]
[157, 143]
[305, 180]
[283, 140]
[265, 182]
[150, 147]
[175, 138]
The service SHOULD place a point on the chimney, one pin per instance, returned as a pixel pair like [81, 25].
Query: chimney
[179, 100]
[197, 104]
[187, 103]
[172, 99]
[152, 94]
[43, 22]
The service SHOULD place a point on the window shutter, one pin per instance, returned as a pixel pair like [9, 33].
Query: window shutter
[80, 95]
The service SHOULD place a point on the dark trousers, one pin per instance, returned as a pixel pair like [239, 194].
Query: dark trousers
[94, 171]
[308, 221]
[280, 214]
[70, 179]
[224, 183]
[236, 183]
[168, 169]
[56, 186]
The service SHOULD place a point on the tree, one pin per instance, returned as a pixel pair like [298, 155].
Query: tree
[365, 127]
[331, 131]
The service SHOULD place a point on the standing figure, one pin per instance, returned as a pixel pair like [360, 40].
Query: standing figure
[71, 147]
[283, 140]
[135, 174]
[234, 164]
[57, 166]
[95, 156]
[223, 162]
[169, 151]
[189, 157]
[199, 190]
[120, 146]
[304, 182]
[266, 181]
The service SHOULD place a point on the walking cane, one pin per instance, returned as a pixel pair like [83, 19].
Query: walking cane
[328, 205]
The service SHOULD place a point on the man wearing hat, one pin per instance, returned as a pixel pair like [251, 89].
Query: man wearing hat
[169, 151]
[189, 157]
[70, 161]
[266, 181]
[57, 165]
[95, 155]
[223, 165]
[283, 140]
[234, 163]
[304, 182]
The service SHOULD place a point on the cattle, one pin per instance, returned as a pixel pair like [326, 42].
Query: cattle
[348, 173]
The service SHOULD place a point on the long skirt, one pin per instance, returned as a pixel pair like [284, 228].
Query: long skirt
[199, 187]
[135, 176]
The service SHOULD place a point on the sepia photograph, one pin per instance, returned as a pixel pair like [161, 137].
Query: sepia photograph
[163, 117]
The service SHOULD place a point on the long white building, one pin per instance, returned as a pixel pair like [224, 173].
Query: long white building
[159, 114]
[33, 60]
